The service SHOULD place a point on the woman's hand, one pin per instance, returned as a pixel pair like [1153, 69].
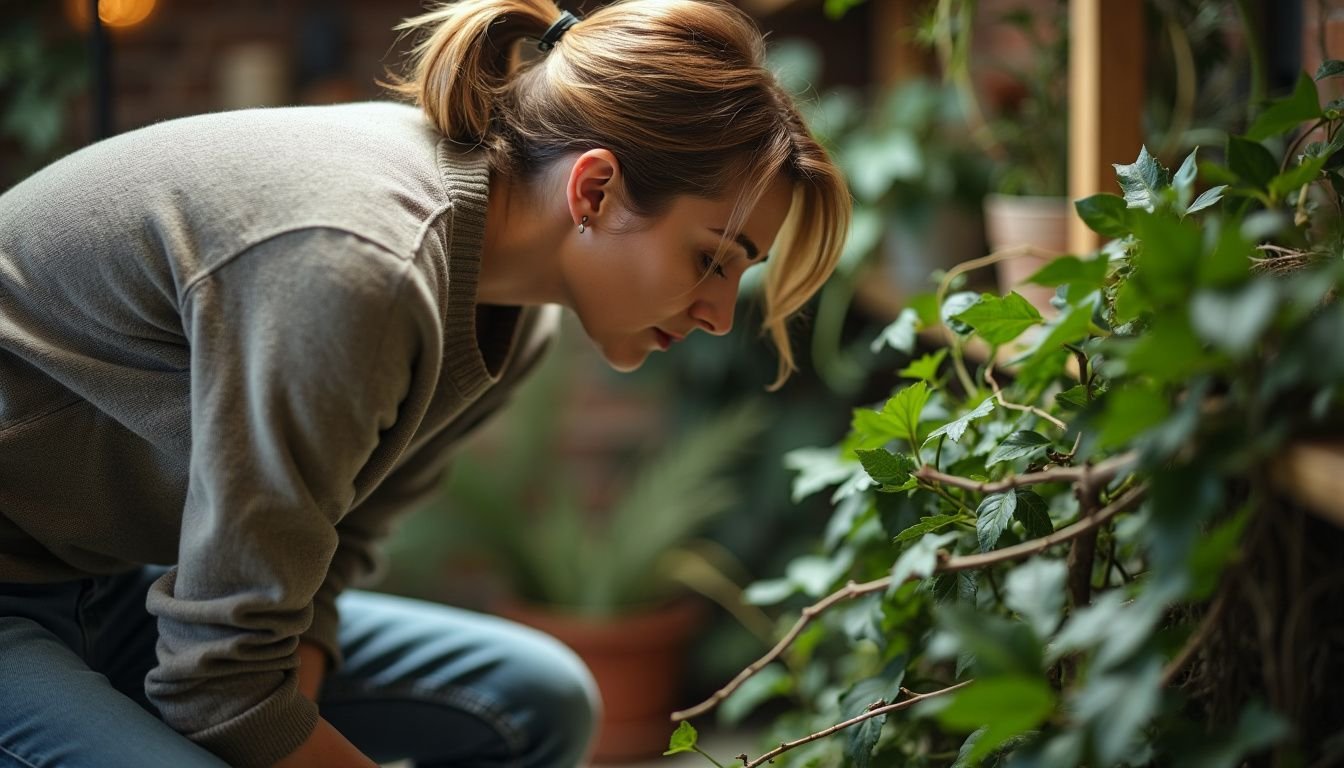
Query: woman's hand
[312, 669]
[326, 748]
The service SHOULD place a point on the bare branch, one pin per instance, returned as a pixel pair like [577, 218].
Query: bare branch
[848, 592]
[1100, 473]
[998, 395]
[945, 565]
[865, 715]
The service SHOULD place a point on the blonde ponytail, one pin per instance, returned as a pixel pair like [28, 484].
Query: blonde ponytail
[677, 89]
[467, 58]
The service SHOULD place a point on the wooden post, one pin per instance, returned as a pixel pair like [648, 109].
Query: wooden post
[896, 56]
[1106, 71]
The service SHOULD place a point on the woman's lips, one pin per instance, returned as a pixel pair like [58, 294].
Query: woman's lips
[665, 339]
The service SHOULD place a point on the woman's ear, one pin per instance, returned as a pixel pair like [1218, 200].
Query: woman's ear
[593, 179]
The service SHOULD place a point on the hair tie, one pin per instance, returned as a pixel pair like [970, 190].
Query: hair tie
[556, 30]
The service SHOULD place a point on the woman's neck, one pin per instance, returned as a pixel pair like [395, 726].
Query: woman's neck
[520, 264]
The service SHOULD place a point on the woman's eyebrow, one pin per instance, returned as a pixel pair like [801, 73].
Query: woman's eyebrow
[742, 240]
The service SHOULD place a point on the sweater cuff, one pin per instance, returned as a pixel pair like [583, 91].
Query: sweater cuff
[325, 628]
[263, 735]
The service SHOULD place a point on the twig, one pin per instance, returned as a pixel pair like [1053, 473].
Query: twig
[847, 592]
[1100, 473]
[998, 395]
[945, 565]
[866, 715]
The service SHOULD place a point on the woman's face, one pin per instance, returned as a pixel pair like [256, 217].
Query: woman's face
[641, 286]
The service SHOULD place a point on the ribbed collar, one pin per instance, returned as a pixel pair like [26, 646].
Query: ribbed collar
[466, 177]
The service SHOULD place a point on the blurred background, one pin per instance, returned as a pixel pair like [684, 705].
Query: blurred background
[604, 494]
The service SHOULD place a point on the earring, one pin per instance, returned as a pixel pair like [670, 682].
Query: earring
[583, 224]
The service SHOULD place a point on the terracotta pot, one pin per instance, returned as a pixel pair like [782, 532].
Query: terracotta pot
[1039, 222]
[637, 661]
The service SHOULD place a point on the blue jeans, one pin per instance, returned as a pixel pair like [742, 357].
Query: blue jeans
[437, 685]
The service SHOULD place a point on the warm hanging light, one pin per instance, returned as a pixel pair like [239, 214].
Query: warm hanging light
[113, 13]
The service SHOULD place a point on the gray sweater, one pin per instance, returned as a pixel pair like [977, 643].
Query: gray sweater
[238, 343]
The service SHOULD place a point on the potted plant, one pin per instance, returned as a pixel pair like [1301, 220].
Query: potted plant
[1017, 110]
[608, 572]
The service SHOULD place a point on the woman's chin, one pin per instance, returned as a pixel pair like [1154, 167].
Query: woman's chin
[625, 360]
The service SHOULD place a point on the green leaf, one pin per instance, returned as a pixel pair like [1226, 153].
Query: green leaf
[1234, 321]
[1251, 162]
[817, 468]
[926, 525]
[919, 561]
[904, 408]
[926, 367]
[954, 305]
[1073, 271]
[964, 759]
[1073, 324]
[1017, 445]
[1035, 590]
[1329, 68]
[1294, 178]
[1090, 625]
[992, 518]
[1117, 706]
[926, 308]
[884, 688]
[1000, 320]
[1003, 706]
[815, 574]
[1287, 113]
[1129, 412]
[955, 429]
[1073, 397]
[769, 591]
[1105, 214]
[1142, 181]
[900, 334]
[683, 739]
[886, 467]
[1184, 180]
[1034, 514]
[995, 645]
[1209, 197]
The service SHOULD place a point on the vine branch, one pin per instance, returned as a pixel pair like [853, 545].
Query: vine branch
[1099, 473]
[875, 711]
[946, 564]
[998, 395]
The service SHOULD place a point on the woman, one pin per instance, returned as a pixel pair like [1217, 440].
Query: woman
[234, 346]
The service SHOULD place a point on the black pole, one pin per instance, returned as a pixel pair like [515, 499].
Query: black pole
[100, 49]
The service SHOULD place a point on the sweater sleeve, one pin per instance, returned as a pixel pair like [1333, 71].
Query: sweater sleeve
[415, 482]
[301, 352]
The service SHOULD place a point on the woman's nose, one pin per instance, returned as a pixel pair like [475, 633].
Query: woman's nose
[713, 311]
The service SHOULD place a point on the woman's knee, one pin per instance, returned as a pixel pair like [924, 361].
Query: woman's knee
[558, 703]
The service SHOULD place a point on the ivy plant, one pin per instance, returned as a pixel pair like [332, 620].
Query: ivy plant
[1060, 540]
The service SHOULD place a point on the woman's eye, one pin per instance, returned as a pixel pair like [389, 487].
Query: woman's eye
[707, 262]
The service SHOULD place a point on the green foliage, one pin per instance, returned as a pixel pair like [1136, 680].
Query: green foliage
[1203, 340]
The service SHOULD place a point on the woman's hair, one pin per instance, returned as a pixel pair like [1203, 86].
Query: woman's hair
[678, 90]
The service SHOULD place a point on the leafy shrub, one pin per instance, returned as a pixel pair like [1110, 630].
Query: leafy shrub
[1072, 549]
